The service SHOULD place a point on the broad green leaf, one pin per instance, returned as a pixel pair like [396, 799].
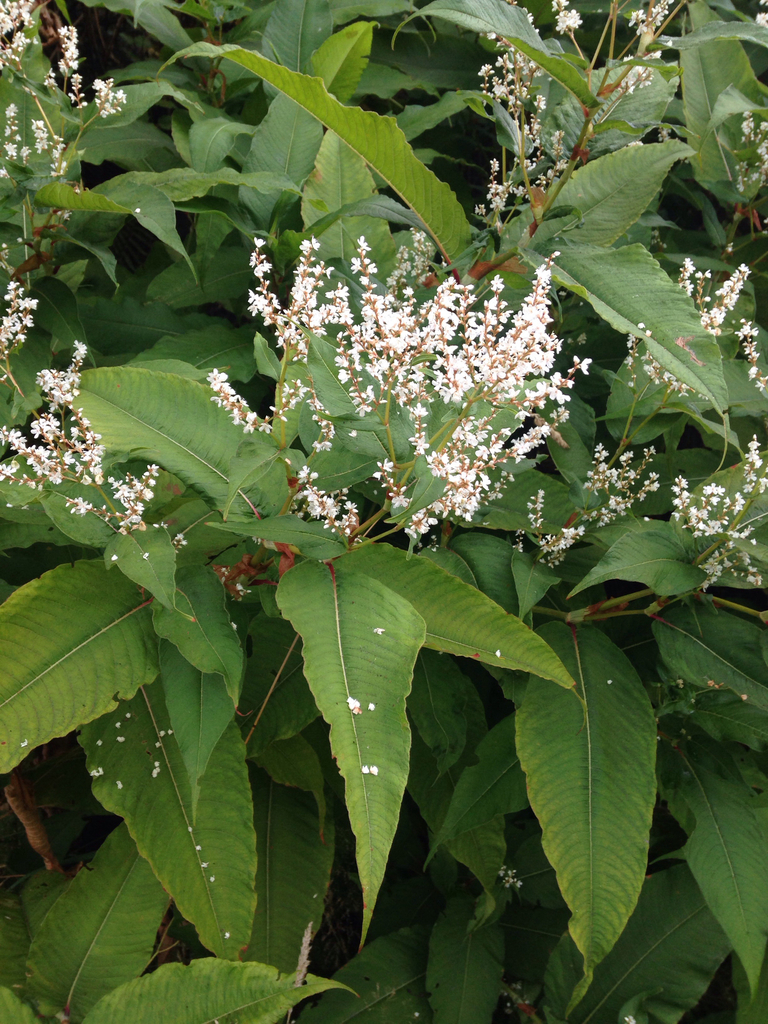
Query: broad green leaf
[311, 538]
[100, 933]
[286, 142]
[226, 277]
[182, 183]
[702, 645]
[656, 557]
[207, 863]
[387, 982]
[342, 59]
[415, 119]
[488, 558]
[671, 947]
[294, 762]
[283, 706]
[13, 1010]
[340, 177]
[206, 991]
[14, 941]
[296, 28]
[495, 785]
[339, 615]
[753, 1011]
[459, 619]
[57, 311]
[511, 511]
[436, 704]
[294, 868]
[39, 896]
[346, 10]
[532, 580]
[139, 409]
[152, 15]
[464, 967]
[727, 717]
[627, 287]
[592, 785]
[72, 641]
[450, 562]
[63, 197]
[376, 139]
[151, 208]
[255, 457]
[497, 17]
[147, 557]
[200, 627]
[612, 192]
[747, 31]
[200, 709]
[210, 141]
[727, 856]
[530, 936]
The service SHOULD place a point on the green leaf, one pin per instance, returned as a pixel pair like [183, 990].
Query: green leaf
[727, 717]
[727, 856]
[63, 197]
[14, 941]
[200, 709]
[151, 208]
[72, 640]
[152, 15]
[311, 538]
[13, 1010]
[376, 139]
[200, 626]
[290, 706]
[340, 177]
[415, 119]
[747, 31]
[494, 16]
[612, 192]
[701, 644]
[57, 311]
[206, 862]
[255, 457]
[592, 785]
[489, 559]
[139, 409]
[459, 619]
[294, 762]
[337, 614]
[436, 704]
[655, 557]
[205, 991]
[532, 580]
[293, 874]
[182, 183]
[627, 287]
[100, 933]
[671, 947]
[210, 141]
[495, 785]
[386, 981]
[342, 59]
[147, 557]
[464, 967]
[296, 28]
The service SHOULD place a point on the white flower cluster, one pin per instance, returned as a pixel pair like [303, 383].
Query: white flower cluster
[468, 380]
[753, 175]
[719, 516]
[108, 99]
[761, 18]
[413, 263]
[15, 17]
[509, 878]
[14, 325]
[567, 20]
[649, 21]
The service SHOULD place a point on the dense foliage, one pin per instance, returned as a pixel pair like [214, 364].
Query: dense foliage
[384, 414]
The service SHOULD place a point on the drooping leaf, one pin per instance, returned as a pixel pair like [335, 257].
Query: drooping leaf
[655, 557]
[627, 287]
[702, 644]
[376, 139]
[13, 1010]
[495, 785]
[727, 856]
[670, 949]
[138, 408]
[100, 933]
[436, 704]
[360, 642]
[511, 23]
[71, 641]
[611, 193]
[388, 977]
[207, 863]
[200, 709]
[294, 868]
[207, 990]
[200, 627]
[464, 967]
[592, 785]
[460, 620]
[183, 183]
[148, 558]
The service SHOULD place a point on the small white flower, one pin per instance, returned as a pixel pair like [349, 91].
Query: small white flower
[114, 558]
[119, 784]
[212, 878]
[118, 724]
[498, 653]
[374, 770]
[25, 743]
[121, 739]
[354, 705]
[371, 707]
[366, 770]
[610, 681]
[98, 743]
[226, 935]
[204, 864]
[145, 556]
[198, 848]
[378, 630]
